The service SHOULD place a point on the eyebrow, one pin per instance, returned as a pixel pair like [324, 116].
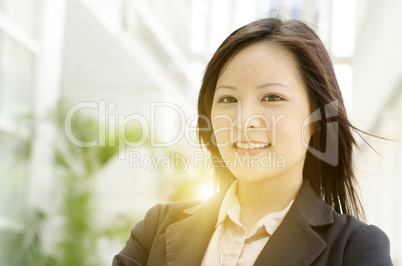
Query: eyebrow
[223, 86]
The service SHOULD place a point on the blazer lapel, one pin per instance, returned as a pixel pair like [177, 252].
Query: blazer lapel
[187, 240]
[294, 242]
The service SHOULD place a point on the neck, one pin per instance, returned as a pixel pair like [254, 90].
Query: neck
[268, 196]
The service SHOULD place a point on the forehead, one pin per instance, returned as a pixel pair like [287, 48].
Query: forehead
[260, 63]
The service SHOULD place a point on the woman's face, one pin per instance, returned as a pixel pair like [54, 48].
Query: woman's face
[260, 114]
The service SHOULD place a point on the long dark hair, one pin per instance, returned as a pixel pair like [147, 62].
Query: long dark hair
[328, 164]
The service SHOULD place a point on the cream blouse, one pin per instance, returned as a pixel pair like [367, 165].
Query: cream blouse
[231, 244]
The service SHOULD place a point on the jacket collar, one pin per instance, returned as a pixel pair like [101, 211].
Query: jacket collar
[188, 239]
[295, 242]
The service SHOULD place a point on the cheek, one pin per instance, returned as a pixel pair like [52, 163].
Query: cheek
[306, 128]
[290, 131]
[307, 133]
[222, 126]
[221, 131]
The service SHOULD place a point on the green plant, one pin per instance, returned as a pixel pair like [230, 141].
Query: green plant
[23, 245]
[76, 167]
[76, 170]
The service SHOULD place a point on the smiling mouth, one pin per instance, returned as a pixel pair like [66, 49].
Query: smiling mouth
[250, 145]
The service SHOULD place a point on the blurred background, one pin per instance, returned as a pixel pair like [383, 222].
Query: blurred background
[92, 92]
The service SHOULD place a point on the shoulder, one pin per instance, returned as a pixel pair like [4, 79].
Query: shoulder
[348, 240]
[172, 211]
[144, 233]
[363, 244]
[355, 228]
[160, 216]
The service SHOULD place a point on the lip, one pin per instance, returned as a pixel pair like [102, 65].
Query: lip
[251, 147]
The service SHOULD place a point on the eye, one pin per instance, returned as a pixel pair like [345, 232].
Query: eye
[227, 99]
[272, 98]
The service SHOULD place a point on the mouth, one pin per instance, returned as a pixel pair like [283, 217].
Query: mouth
[251, 145]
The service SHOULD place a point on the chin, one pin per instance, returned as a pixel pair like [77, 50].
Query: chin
[254, 174]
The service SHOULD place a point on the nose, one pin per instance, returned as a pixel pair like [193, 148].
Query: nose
[250, 117]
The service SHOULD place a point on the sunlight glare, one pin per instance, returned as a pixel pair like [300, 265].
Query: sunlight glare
[205, 191]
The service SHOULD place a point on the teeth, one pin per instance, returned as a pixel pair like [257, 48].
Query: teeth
[248, 146]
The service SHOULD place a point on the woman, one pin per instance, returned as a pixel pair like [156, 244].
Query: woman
[287, 189]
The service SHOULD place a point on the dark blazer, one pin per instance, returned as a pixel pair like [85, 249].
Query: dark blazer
[310, 234]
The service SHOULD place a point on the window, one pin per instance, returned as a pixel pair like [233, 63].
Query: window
[17, 30]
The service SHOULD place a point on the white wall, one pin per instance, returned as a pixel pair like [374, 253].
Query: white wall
[377, 108]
